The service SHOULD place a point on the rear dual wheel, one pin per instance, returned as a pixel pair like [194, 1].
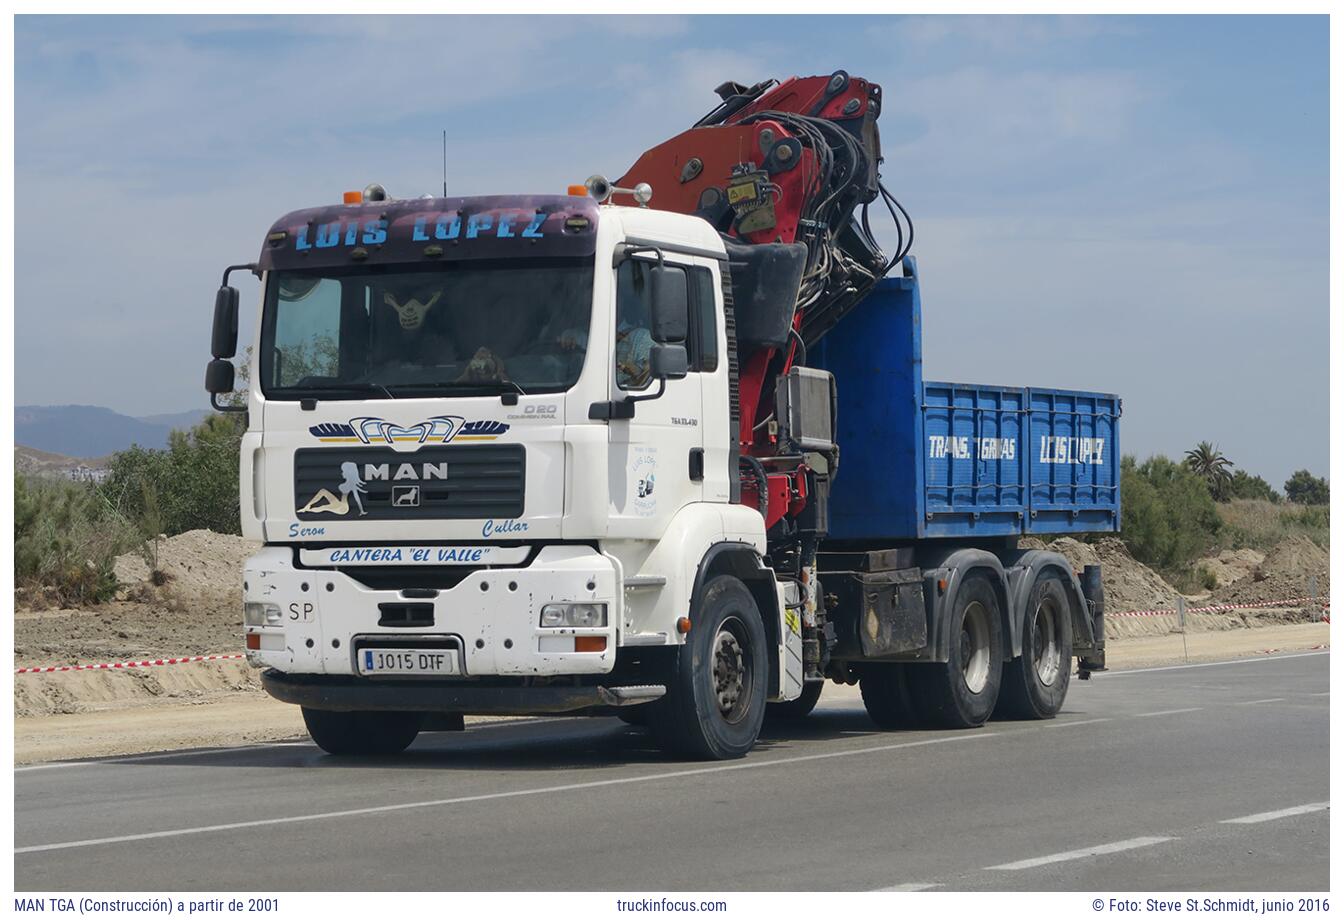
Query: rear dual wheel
[962, 692]
[885, 689]
[1034, 685]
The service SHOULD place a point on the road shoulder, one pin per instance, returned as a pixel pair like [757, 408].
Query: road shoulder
[248, 716]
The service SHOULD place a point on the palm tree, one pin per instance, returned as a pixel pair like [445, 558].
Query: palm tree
[1208, 462]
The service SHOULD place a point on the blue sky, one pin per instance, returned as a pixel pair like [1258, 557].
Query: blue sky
[1136, 205]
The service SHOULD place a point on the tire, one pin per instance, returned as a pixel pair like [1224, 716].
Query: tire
[634, 715]
[362, 732]
[1034, 685]
[886, 695]
[962, 692]
[796, 709]
[715, 700]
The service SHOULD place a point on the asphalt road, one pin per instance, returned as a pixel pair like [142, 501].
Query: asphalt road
[1212, 777]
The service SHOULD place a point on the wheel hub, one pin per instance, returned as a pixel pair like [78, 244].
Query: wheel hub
[1046, 644]
[974, 647]
[728, 670]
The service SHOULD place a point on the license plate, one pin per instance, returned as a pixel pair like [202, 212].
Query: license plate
[429, 661]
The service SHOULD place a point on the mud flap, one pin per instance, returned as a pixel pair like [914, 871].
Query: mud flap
[1090, 635]
[791, 661]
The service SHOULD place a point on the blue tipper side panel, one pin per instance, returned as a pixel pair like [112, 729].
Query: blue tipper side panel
[929, 459]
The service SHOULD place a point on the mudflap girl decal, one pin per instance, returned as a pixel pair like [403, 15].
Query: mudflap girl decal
[326, 502]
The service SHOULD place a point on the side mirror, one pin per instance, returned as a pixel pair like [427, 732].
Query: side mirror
[668, 362]
[219, 377]
[224, 337]
[670, 318]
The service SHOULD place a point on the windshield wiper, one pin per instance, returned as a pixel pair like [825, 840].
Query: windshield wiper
[339, 390]
[507, 388]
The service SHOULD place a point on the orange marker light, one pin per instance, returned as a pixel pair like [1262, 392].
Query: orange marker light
[684, 625]
[590, 643]
[354, 197]
[579, 190]
[942, 585]
[254, 641]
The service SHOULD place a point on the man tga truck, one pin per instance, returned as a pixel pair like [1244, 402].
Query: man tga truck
[555, 454]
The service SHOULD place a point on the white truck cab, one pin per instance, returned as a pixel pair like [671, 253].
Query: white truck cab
[490, 446]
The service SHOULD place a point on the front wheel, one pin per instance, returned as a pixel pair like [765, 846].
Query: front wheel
[715, 700]
[634, 715]
[362, 732]
[962, 692]
[1034, 686]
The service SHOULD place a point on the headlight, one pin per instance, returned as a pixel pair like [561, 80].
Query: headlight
[583, 615]
[261, 614]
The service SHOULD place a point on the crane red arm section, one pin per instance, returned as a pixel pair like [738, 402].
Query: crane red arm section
[785, 172]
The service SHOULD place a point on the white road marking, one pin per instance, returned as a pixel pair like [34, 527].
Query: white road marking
[911, 886]
[1168, 712]
[1272, 699]
[1054, 724]
[1099, 850]
[1211, 664]
[1326, 693]
[492, 796]
[1281, 813]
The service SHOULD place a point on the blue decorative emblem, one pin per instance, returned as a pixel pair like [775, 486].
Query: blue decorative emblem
[437, 430]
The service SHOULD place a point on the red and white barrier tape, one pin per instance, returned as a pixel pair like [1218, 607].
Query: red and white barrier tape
[1212, 608]
[124, 665]
[121, 665]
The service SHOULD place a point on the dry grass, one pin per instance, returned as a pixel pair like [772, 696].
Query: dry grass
[1262, 525]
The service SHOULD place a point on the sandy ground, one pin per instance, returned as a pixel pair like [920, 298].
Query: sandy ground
[223, 706]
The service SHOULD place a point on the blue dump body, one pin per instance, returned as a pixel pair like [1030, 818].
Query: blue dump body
[922, 459]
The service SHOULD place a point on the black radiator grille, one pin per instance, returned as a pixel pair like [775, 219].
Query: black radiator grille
[445, 482]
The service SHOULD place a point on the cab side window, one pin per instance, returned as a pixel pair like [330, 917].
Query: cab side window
[702, 346]
[634, 311]
[307, 331]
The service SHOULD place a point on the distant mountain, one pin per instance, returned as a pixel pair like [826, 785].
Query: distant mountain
[31, 460]
[92, 431]
[176, 419]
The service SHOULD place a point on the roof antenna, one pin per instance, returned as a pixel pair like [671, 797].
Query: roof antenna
[445, 162]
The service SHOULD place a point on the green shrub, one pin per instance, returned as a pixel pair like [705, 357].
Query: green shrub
[65, 539]
[1305, 489]
[1244, 485]
[191, 485]
[1197, 579]
[1168, 517]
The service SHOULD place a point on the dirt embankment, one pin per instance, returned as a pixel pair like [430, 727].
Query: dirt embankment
[192, 607]
[1245, 577]
[1291, 569]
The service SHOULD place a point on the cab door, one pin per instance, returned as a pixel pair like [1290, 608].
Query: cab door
[656, 458]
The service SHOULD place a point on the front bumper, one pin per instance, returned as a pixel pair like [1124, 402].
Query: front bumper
[364, 694]
[493, 616]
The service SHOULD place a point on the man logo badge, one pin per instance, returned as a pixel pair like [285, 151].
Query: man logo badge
[405, 496]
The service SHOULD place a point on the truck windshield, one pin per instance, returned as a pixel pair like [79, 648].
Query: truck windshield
[393, 331]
